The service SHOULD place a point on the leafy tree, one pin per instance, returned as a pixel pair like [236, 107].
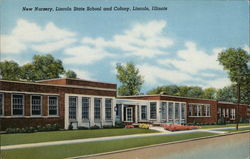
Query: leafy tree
[131, 80]
[47, 67]
[9, 70]
[227, 94]
[236, 61]
[209, 93]
[28, 72]
[70, 74]
[195, 92]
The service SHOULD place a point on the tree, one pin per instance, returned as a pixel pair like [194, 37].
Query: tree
[195, 91]
[9, 70]
[70, 74]
[131, 80]
[28, 72]
[236, 61]
[209, 93]
[227, 94]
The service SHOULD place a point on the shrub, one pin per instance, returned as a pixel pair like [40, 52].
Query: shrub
[129, 126]
[144, 126]
[82, 128]
[70, 127]
[107, 126]
[95, 127]
[119, 124]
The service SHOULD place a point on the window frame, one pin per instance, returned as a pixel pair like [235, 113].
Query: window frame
[111, 103]
[146, 116]
[2, 104]
[57, 105]
[31, 105]
[73, 119]
[150, 111]
[83, 106]
[100, 113]
[12, 105]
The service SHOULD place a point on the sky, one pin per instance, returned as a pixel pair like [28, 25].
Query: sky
[177, 46]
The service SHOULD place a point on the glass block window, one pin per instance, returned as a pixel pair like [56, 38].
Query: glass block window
[143, 112]
[17, 104]
[153, 110]
[183, 107]
[177, 110]
[164, 110]
[85, 108]
[97, 108]
[72, 107]
[36, 105]
[1, 104]
[53, 105]
[108, 109]
[170, 110]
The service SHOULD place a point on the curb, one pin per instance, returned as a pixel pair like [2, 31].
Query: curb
[155, 145]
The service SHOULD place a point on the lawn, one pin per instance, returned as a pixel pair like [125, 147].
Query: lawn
[62, 151]
[234, 130]
[13, 139]
[222, 126]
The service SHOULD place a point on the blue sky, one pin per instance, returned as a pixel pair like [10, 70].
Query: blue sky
[178, 46]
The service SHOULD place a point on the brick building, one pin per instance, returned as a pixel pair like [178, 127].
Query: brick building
[88, 103]
[61, 101]
[173, 109]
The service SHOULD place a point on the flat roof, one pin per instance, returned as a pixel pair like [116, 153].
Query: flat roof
[53, 79]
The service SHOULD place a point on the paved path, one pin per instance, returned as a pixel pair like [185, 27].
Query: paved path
[162, 133]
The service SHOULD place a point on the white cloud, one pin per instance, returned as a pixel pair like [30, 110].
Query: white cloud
[193, 60]
[27, 33]
[84, 55]
[217, 83]
[83, 74]
[143, 40]
[153, 74]
[52, 46]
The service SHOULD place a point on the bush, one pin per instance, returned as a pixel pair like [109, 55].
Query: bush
[70, 127]
[82, 128]
[107, 126]
[144, 126]
[95, 127]
[119, 124]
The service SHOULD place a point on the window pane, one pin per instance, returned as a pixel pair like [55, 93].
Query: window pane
[108, 107]
[36, 105]
[177, 110]
[85, 108]
[97, 108]
[164, 110]
[1, 104]
[17, 104]
[170, 110]
[183, 107]
[143, 112]
[152, 110]
[72, 107]
[53, 105]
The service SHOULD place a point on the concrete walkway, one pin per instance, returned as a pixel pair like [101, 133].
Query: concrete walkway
[162, 133]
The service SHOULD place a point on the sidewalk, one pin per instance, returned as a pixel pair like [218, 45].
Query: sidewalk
[162, 132]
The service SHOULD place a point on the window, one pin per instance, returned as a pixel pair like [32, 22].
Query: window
[227, 111]
[153, 110]
[183, 105]
[164, 110]
[1, 104]
[97, 108]
[207, 110]
[143, 112]
[36, 105]
[53, 105]
[170, 110]
[190, 110]
[129, 114]
[72, 107]
[17, 104]
[108, 109]
[199, 110]
[219, 112]
[85, 108]
[224, 112]
[177, 110]
[232, 113]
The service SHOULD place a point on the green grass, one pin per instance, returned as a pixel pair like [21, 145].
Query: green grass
[13, 139]
[62, 151]
[234, 130]
[222, 126]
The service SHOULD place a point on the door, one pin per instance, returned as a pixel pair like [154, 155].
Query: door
[129, 114]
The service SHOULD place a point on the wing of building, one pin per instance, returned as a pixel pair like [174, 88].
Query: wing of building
[83, 103]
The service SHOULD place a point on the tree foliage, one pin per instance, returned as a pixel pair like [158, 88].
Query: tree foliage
[9, 70]
[131, 80]
[42, 67]
[70, 74]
